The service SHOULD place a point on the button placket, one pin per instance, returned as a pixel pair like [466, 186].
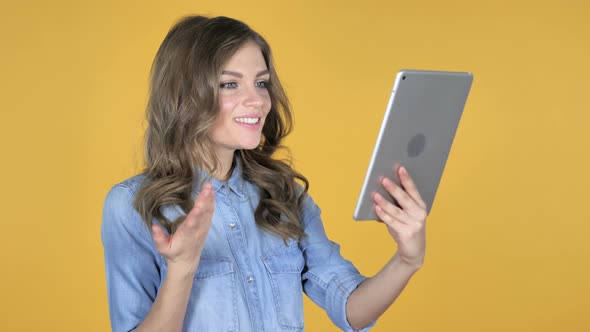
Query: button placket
[236, 237]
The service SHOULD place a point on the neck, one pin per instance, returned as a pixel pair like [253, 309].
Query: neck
[226, 159]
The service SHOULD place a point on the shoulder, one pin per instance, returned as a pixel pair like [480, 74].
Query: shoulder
[118, 209]
[121, 195]
[131, 184]
[124, 234]
[310, 211]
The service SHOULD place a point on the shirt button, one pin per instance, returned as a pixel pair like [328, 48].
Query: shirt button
[232, 225]
[250, 279]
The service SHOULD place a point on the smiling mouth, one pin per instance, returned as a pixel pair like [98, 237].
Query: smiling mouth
[247, 120]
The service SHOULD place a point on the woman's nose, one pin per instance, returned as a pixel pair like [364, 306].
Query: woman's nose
[253, 97]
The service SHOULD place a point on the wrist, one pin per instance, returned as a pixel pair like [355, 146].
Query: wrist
[410, 265]
[180, 271]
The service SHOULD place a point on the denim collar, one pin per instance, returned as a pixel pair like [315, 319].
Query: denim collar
[235, 182]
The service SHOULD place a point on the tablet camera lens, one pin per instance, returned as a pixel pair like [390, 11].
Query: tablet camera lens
[403, 77]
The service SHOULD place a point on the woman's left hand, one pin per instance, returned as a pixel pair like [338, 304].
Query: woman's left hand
[407, 223]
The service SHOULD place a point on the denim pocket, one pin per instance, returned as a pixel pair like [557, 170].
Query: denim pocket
[284, 267]
[213, 302]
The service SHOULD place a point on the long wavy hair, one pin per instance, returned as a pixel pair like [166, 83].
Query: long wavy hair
[183, 104]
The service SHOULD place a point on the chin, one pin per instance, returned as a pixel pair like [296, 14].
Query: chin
[250, 145]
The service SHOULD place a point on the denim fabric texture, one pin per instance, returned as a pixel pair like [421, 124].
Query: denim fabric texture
[247, 279]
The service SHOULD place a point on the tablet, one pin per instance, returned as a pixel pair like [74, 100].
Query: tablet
[417, 132]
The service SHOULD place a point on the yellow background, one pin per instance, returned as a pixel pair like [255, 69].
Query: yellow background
[507, 237]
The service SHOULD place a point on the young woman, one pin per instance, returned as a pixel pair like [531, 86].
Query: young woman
[215, 234]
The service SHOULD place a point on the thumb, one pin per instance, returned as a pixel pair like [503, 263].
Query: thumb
[161, 240]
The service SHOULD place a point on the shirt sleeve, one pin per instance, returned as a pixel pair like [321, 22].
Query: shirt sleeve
[328, 278]
[131, 262]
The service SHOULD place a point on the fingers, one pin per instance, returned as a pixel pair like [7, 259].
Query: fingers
[203, 208]
[387, 211]
[186, 243]
[410, 186]
[206, 200]
[390, 221]
[411, 205]
[161, 240]
[405, 201]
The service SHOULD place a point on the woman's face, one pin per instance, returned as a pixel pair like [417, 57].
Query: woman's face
[244, 102]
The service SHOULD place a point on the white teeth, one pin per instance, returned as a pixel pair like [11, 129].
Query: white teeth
[248, 120]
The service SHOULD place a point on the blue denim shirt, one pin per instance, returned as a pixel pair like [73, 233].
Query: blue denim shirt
[247, 279]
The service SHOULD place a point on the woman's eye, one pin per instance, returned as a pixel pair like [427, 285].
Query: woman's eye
[262, 84]
[228, 85]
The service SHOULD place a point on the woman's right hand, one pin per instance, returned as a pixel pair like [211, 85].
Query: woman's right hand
[182, 249]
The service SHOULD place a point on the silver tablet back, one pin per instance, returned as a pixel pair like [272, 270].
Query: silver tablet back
[417, 132]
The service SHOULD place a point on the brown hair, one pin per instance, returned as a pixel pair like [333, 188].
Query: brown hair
[182, 106]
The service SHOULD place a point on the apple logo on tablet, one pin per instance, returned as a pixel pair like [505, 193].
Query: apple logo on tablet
[416, 145]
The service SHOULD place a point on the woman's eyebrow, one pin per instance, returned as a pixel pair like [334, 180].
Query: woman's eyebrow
[239, 75]
[232, 73]
[263, 72]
